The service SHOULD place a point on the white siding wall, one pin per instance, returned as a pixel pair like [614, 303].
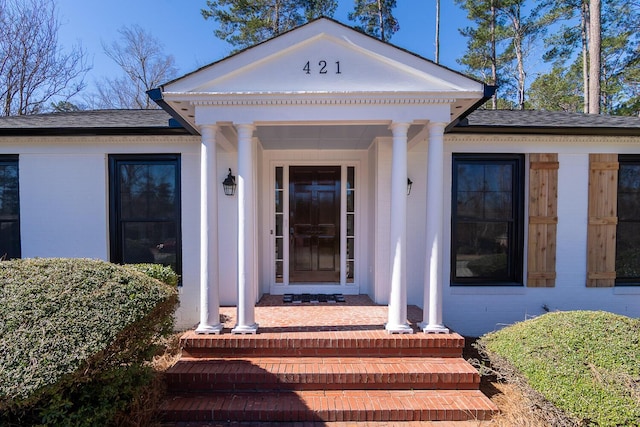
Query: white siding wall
[54, 189]
[64, 213]
[64, 200]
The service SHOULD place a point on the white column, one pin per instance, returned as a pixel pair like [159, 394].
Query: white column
[246, 245]
[209, 295]
[435, 203]
[397, 322]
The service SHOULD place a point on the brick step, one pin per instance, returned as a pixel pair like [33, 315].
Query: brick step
[317, 373]
[329, 406]
[374, 343]
[325, 424]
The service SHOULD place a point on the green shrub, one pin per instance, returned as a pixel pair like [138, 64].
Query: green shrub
[489, 265]
[587, 363]
[75, 335]
[157, 271]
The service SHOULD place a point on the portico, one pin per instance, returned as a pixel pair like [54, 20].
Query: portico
[326, 99]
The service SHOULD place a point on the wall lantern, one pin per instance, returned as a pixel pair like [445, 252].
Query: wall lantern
[409, 184]
[229, 184]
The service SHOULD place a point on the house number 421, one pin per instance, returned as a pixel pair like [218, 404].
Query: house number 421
[322, 68]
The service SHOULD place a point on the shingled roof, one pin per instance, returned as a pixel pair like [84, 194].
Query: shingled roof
[158, 122]
[546, 122]
[94, 122]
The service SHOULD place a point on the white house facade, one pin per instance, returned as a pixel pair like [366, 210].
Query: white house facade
[358, 168]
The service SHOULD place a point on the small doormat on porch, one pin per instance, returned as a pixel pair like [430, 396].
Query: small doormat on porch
[312, 298]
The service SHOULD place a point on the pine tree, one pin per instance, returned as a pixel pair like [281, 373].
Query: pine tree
[619, 52]
[375, 18]
[481, 57]
[244, 23]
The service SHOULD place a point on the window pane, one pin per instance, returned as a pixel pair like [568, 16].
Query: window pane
[148, 191]
[487, 226]
[498, 177]
[351, 183]
[470, 177]
[485, 191]
[9, 239]
[153, 242]
[629, 192]
[145, 209]
[9, 202]
[628, 250]
[9, 208]
[628, 229]
[470, 204]
[497, 205]
[482, 250]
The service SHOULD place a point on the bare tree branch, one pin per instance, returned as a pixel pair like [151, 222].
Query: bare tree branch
[34, 69]
[145, 65]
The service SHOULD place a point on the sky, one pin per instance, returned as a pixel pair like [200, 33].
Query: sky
[186, 35]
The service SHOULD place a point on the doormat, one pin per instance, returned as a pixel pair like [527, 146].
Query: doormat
[312, 298]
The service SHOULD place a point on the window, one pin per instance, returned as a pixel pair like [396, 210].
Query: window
[628, 228]
[9, 208]
[145, 209]
[487, 219]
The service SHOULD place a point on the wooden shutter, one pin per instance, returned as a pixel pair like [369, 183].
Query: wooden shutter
[543, 220]
[603, 220]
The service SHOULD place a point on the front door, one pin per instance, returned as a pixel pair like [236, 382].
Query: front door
[314, 224]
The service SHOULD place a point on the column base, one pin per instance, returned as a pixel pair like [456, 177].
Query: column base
[209, 329]
[248, 329]
[399, 329]
[433, 329]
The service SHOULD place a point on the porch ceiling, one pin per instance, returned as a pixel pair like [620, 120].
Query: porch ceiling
[326, 137]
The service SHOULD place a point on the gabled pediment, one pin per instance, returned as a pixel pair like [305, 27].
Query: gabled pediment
[323, 56]
[323, 62]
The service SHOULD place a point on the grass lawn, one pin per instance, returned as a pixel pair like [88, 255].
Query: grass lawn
[585, 363]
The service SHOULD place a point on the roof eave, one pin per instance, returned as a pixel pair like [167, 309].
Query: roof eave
[546, 130]
[156, 95]
[109, 131]
[488, 92]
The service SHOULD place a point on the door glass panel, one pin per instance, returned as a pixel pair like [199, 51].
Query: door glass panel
[279, 223]
[351, 181]
[350, 224]
[351, 217]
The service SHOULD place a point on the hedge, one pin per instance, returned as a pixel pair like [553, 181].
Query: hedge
[69, 326]
[586, 363]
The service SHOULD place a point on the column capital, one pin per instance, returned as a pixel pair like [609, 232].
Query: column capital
[436, 125]
[245, 129]
[399, 128]
[208, 131]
